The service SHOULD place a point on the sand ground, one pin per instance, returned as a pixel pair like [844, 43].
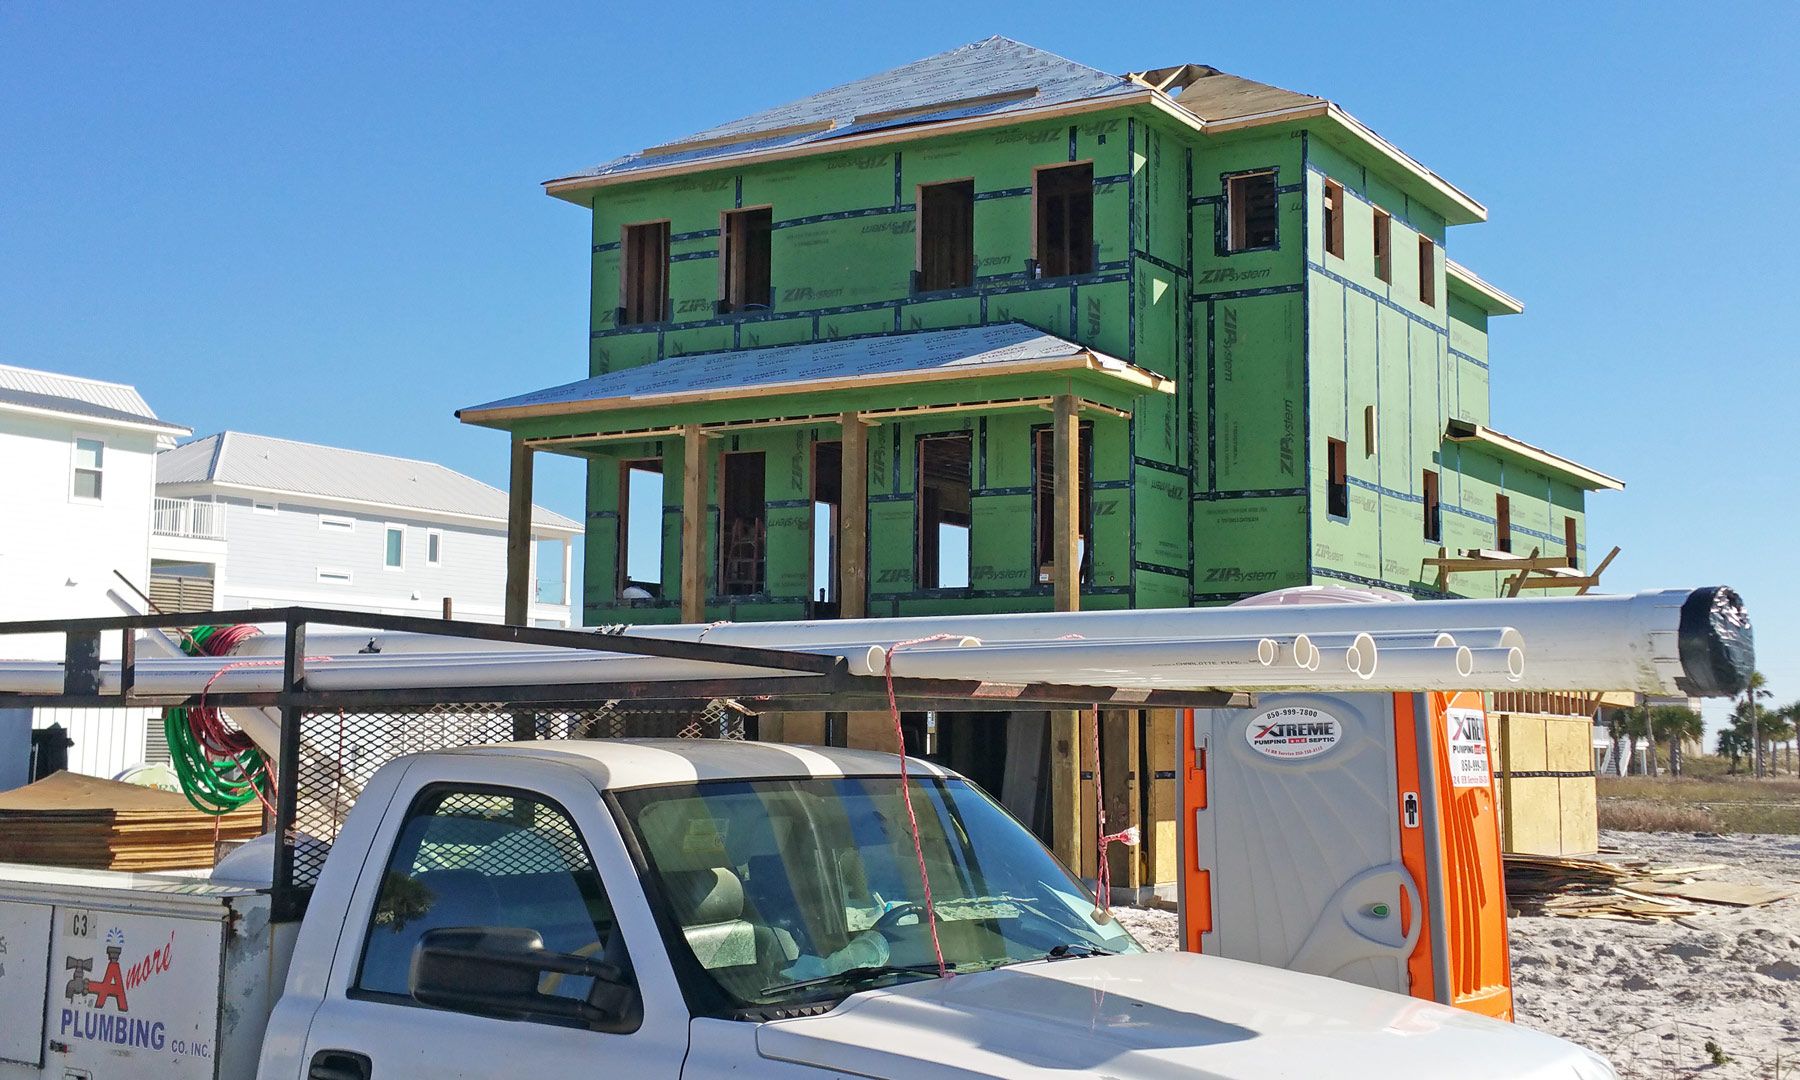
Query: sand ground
[1651, 996]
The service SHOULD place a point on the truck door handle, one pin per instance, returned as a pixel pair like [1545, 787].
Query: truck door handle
[339, 1065]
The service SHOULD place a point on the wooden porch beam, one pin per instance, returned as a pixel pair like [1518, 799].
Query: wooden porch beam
[518, 536]
[693, 525]
[853, 519]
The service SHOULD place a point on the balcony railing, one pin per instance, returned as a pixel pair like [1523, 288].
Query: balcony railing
[189, 518]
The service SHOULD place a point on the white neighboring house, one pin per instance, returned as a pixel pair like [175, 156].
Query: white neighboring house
[252, 521]
[77, 468]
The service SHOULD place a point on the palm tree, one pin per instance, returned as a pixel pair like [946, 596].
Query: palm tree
[1734, 740]
[1777, 729]
[1679, 723]
[1755, 689]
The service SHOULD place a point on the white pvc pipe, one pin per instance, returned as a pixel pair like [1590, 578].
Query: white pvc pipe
[1507, 662]
[1426, 661]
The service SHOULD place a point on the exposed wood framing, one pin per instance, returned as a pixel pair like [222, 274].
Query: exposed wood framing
[853, 519]
[1066, 573]
[1561, 577]
[693, 525]
[518, 536]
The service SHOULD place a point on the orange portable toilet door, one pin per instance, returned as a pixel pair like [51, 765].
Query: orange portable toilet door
[1450, 841]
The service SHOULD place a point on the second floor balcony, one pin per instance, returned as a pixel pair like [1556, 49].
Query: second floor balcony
[188, 518]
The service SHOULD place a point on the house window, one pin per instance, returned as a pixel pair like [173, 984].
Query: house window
[743, 525]
[947, 235]
[1434, 515]
[434, 547]
[1065, 220]
[1502, 523]
[1250, 210]
[1337, 488]
[1043, 461]
[90, 463]
[328, 576]
[644, 274]
[394, 552]
[828, 497]
[326, 521]
[1384, 252]
[1427, 272]
[640, 529]
[745, 237]
[944, 478]
[1569, 543]
[1334, 218]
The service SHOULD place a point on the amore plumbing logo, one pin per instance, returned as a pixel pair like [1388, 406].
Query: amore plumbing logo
[92, 1004]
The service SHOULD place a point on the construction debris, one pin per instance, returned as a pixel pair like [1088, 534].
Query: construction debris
[67, 819]
[1623, 889]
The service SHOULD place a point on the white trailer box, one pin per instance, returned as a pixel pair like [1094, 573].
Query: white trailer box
[108, 975]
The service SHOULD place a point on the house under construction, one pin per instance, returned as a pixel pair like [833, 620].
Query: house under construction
[997, 331]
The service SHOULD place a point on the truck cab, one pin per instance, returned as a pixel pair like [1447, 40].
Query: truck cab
[695, 908]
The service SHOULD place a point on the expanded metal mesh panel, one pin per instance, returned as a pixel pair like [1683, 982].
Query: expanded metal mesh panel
[340, 751]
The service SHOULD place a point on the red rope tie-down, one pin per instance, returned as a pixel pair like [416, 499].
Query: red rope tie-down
[1128, 836]
[209, 724]
[912, 818]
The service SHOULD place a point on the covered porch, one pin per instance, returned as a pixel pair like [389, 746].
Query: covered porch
[740, 533]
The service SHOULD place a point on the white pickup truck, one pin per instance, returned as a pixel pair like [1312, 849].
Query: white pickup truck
[683, 908]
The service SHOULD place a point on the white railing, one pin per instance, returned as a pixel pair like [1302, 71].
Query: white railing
[188, 517]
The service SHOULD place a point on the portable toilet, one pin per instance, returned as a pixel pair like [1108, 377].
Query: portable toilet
[1349, 835]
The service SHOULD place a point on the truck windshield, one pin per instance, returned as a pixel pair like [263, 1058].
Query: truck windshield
[791, 891]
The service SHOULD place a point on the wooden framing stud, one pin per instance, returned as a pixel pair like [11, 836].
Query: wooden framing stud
[693, 525]
[518, 536]
[853, 519]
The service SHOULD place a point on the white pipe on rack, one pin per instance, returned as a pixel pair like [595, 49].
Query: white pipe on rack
[1507, 661]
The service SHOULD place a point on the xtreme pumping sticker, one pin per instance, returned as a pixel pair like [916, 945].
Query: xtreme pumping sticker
[1293, 731]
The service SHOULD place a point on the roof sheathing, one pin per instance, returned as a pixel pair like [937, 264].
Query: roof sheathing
[1463, 431]
[1485, 295]
[979, 85]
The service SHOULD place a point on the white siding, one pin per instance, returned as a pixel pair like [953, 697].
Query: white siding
[107, 741]
[58, 552]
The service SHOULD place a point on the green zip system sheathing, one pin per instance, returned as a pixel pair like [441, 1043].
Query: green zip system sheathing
[1209, 494]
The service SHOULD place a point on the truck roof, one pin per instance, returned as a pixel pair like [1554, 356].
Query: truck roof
[615, 764]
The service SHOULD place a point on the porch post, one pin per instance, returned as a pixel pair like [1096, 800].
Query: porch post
[518, 536]
[693, 525]
[1066, 727]
[853, 519]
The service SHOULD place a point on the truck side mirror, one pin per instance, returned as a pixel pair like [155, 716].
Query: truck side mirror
[496, 971]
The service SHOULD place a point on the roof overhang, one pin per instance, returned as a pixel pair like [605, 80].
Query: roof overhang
[1485, 296]
[189, 488]
[1462, 431]
[1079, 361]
[82, 419]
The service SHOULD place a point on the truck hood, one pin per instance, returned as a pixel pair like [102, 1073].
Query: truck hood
[1163, 1015]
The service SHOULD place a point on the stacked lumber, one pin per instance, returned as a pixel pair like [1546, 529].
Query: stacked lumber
[67, 819]
[1624, 889]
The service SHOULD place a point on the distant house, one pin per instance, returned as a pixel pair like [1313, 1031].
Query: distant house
[77, 466]
[251, 521]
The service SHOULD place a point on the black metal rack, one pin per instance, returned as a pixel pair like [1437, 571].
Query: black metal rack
[464, 715]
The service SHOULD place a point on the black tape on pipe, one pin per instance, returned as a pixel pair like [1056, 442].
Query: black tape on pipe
[1718, 651]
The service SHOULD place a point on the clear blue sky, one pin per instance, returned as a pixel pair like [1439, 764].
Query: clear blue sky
[323, 221]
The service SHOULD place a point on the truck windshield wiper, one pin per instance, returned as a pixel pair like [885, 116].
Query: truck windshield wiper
[1077, 948]
[856, 974]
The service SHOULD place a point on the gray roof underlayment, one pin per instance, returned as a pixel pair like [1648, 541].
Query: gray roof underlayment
[998, 348]
[92, 399]
[992, 68]
[285, 467]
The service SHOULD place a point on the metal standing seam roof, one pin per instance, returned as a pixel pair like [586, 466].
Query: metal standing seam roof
[962, 82]
[996, 349]
[92, 399]
[283, 466]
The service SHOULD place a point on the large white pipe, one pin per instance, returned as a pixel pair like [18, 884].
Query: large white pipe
[1674, 641]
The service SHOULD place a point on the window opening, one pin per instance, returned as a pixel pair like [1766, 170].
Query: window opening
[640, 530]
[1252, 208]
[947, 235]
[743, 525]
[944, 482]
[746, 237]
[1065, 220]
[644, 274]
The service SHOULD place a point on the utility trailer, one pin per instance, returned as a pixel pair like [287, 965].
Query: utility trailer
[354, 762]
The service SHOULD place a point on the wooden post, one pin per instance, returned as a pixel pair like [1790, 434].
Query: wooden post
[693, 525]
[1066, 743]
[853, 519]
[1066, 571]
[448, 609]
[518, 536]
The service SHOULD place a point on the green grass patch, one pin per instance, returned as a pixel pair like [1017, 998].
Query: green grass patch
[1704, 800]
